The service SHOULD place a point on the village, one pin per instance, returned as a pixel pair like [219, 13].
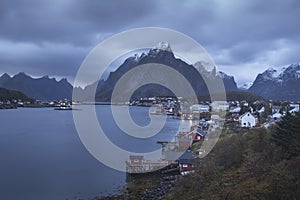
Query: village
[179, 154]
[16, 103]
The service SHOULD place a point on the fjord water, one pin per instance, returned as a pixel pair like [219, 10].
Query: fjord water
[42, 156]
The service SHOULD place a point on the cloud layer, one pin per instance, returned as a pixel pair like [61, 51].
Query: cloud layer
[53, 37]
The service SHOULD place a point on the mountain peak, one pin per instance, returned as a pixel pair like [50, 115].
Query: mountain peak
[292, 67]
[21, 74]
[281, 83]
[271, 69]
[295, 65]
[270, 74]
[223, 75]
[5, 76]
[164, 46]
[291, 72]
[64, 80]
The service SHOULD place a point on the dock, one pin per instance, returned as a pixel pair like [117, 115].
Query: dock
[137, 164]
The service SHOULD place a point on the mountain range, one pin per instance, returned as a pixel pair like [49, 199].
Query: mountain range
[43, 88]
[271, 84]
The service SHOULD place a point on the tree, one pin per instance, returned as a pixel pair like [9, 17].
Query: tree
[287, 134]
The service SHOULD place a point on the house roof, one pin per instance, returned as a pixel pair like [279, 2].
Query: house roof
[277, 115]
[186, 158]
[201, 132]
[136, 157]
[243, 115]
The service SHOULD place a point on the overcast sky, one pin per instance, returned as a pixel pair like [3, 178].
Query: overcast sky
[53, 37]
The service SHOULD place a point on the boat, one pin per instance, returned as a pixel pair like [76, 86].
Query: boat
[64, 106]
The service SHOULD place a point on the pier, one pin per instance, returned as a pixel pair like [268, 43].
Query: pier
[137, 164]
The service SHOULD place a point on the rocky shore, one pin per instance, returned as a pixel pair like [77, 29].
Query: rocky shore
[162, 190]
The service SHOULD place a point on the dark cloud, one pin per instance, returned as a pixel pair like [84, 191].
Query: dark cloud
[76, 22]
[53, 37]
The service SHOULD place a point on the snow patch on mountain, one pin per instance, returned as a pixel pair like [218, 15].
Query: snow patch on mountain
[223, 75]
[270, 74]
[246, 85]
[283, 73]
[164, 46]
[203, 65]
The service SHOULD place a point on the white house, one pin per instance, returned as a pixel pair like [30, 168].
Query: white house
[235, 109]
[262, 110]
[247, 120]
[218, 106]
[294, 108]
[277, 116]
[199, 108]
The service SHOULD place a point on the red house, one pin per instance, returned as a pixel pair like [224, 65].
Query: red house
[197, 135]
[186, 162]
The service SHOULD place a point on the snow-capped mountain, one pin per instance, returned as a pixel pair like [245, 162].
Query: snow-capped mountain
[162, 54]
[283, 84]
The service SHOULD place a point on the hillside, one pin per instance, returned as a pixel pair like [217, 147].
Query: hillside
[246, 166]
[236, 96]
[252, 164]
[242, 95]
[11, 95]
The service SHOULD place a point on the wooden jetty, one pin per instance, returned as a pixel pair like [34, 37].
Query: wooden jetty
[137, 164]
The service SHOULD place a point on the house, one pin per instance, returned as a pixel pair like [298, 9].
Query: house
[194, 127]
[244, 103]
[247, 120]
[294, 108]
[276, 116]
[215, 118]
[276, 109]
[197, 135]
[236, 109]
[186, 161]
[199, 108]
[185, 114]
[136, 160]
[203, 125]
[218, 106]
[261, 110]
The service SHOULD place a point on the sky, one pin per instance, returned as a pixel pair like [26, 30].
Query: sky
[53, 37]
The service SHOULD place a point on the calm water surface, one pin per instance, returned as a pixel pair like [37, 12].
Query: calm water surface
[42, 156]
